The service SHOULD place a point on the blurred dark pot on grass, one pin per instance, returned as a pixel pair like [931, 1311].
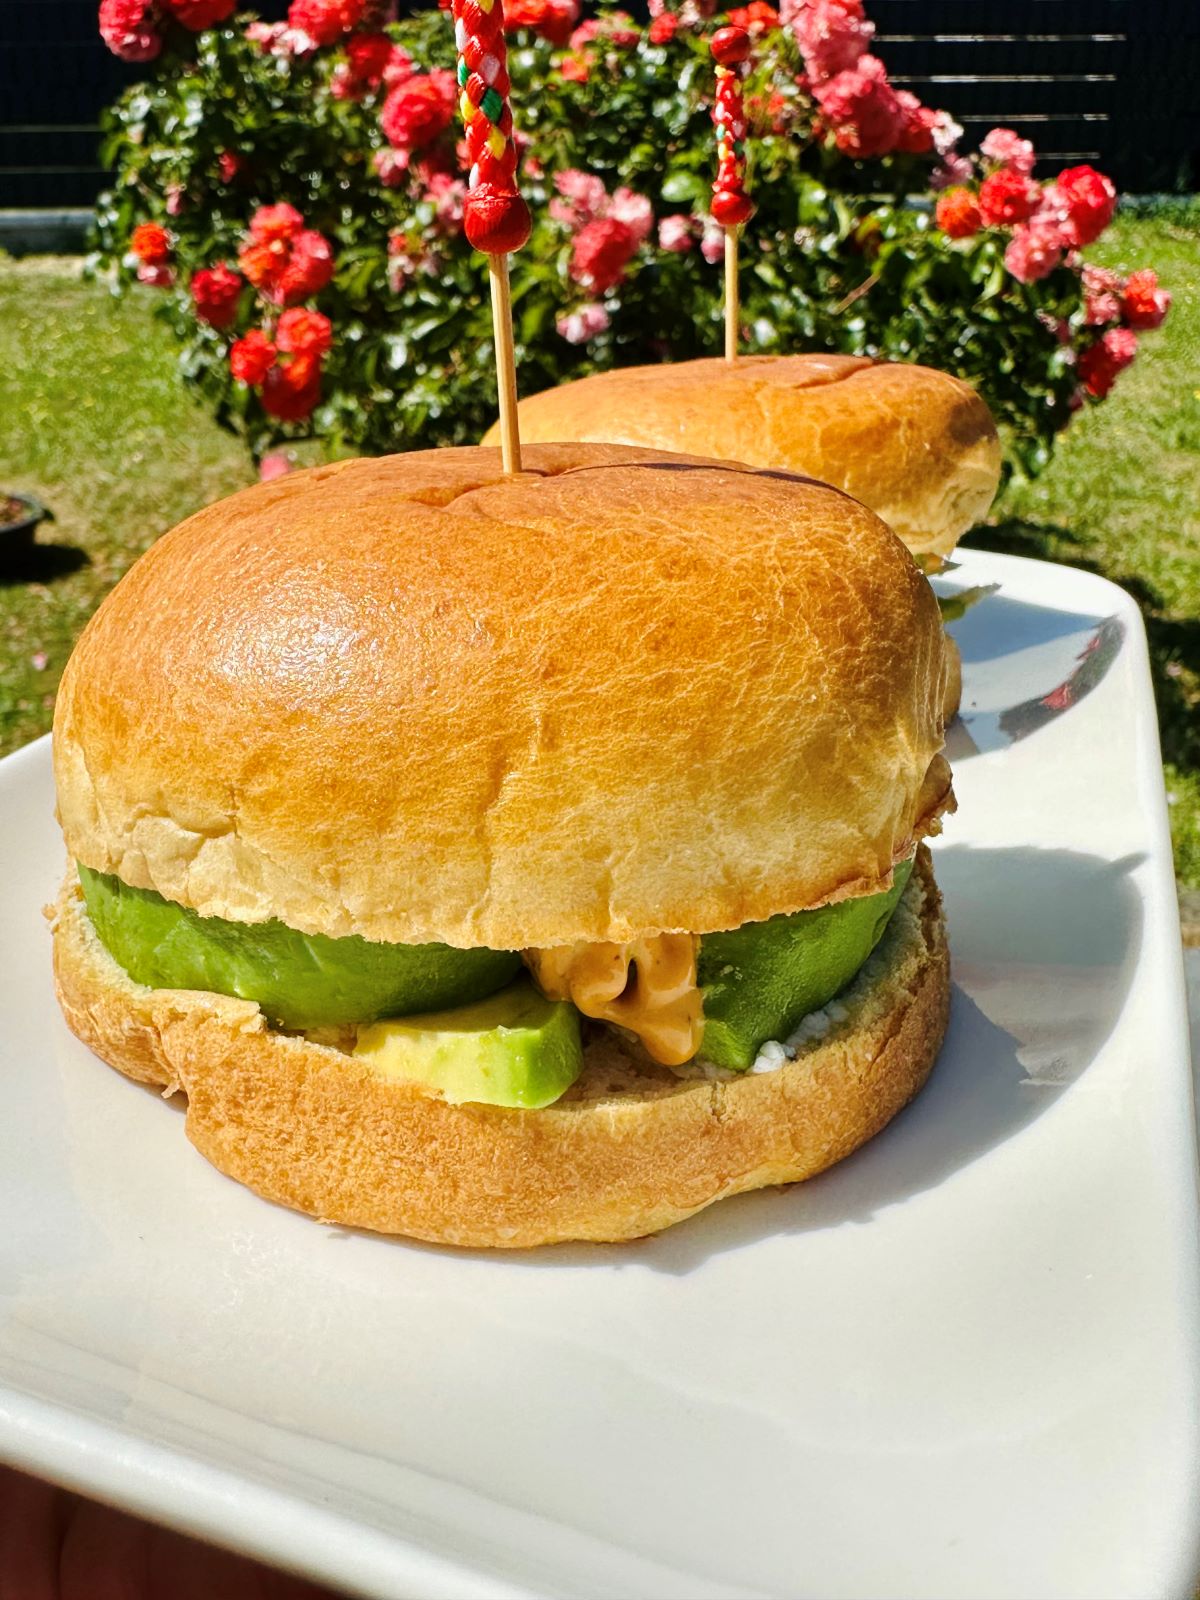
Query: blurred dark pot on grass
[20, 515]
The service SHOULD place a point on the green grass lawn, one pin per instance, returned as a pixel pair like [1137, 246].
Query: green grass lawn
[94, 422]
[1123, 498]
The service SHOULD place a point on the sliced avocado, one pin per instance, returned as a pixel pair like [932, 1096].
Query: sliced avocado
[514, 1049]
[300, 980]
[761, 979]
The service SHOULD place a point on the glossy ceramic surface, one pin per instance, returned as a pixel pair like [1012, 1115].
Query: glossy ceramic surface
[964, 1362]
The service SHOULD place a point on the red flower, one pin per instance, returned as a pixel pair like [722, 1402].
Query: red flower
[1100, 363]
[553, 20]
[304, 333]
[262, 263]
[151, 243]
[1007, 197]
[325, 21]
[215, 292]
[308, 270]
[228, 166]
[419, 110]
[283, 258]
[862, 107]
[664, 28]
[196, 15]
[252, 357]
[523, 14]
[127, 28]
[290, 393]
[957, 214]
[757, 18]
[272, 224]
[601, 252]
[368, 56]
[916, 134]
[1033, 252]
[575, 68]
[1144, 304]
[1090, 201]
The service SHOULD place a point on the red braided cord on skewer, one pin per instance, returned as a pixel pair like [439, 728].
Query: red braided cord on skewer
[496, 219]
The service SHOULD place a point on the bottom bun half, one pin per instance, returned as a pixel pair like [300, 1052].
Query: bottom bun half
[628, 1151]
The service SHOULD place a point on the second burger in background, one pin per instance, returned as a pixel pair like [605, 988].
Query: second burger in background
[916, 446]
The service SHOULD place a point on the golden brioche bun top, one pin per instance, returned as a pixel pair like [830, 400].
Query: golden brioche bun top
[411, 699]
[917, 446]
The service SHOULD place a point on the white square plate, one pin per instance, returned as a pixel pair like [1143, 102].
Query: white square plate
[962, 1363]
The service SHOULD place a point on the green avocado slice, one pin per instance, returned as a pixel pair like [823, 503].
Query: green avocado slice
[763, 978]
[514, 1049]
[300, 980]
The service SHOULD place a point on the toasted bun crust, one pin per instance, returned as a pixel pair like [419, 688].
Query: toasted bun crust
[629, 1152]
[917, 446]
[412, 700]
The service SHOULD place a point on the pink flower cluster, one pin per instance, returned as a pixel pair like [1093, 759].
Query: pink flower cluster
[133, 29]
[607, 232]
[321, 24]
[1050, 223]
[1117, 306]
[607, 228]
[858, 105]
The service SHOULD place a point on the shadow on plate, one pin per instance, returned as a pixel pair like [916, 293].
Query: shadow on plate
[1023, 667]
[1044, 945]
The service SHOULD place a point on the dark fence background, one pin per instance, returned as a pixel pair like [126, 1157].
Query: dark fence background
[1114, 82]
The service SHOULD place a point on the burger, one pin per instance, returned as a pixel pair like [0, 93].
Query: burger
[502, 860]
[915, 445]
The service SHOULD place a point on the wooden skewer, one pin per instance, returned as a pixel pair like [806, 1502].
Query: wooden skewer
[732, 303]
[506, 363]
[496, 219]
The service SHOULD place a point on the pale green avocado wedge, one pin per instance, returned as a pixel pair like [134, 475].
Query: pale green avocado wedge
[514, 1049]
[300, 980]
[760, 980]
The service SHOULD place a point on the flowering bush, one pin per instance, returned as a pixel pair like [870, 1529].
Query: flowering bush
[294, 192]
